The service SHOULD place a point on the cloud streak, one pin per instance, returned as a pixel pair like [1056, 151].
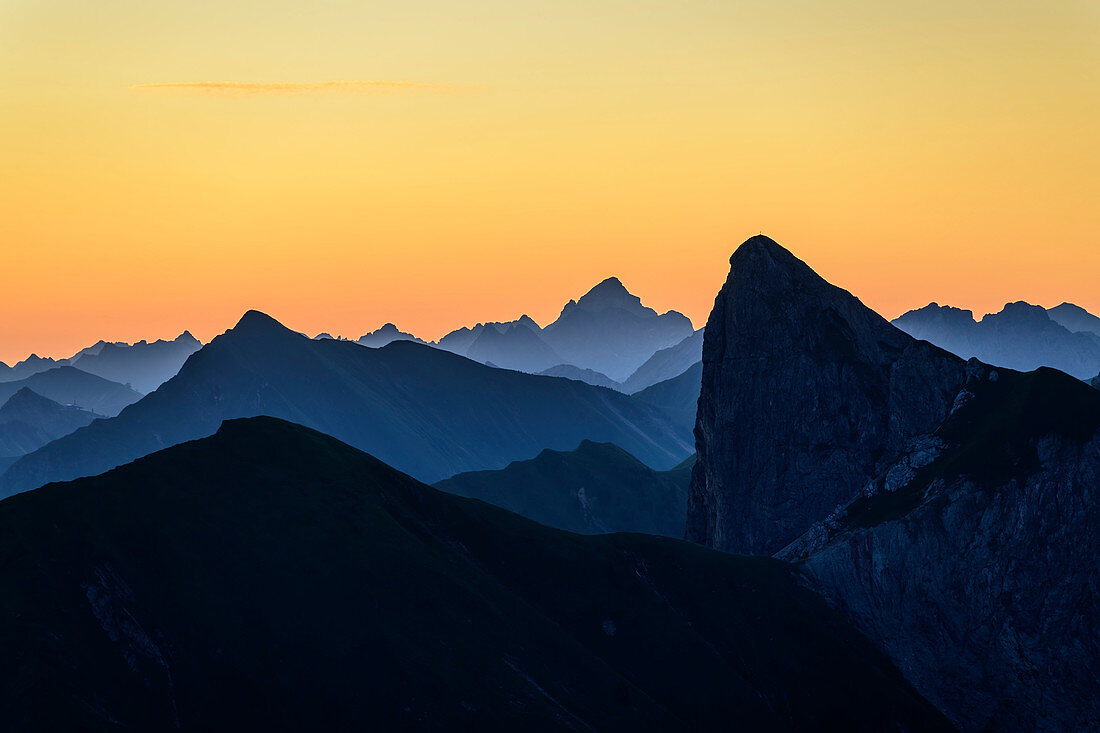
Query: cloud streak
[237, 89]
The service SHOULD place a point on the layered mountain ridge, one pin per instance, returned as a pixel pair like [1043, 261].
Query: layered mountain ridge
[428, 412]
[1021, 336]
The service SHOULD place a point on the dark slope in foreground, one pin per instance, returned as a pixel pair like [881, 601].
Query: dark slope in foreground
[598, 487]
[272, 578]
[425, 411]
[948, 507]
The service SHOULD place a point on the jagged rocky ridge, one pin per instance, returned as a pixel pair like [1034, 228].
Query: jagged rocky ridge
[948, 507]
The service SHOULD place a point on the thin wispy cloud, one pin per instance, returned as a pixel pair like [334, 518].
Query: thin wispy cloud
[285, 89]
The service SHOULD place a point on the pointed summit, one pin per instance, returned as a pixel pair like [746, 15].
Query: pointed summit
[611, 293]
[256, 322]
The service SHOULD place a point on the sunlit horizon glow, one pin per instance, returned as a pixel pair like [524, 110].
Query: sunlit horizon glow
[909, 152]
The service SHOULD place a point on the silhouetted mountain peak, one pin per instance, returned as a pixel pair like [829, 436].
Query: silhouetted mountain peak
[255, 322]
[609, 293]
[23, 400]
[1020, 312]
[186, 337]
[763, 257]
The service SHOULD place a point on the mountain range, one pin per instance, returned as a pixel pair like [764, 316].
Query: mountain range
[945, 506]
[272, 578]
[606, 335]
[1022, 336]
[71, 386]
[421, 409]
[142, 366]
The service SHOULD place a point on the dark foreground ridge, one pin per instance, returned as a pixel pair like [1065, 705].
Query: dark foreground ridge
[272, 578]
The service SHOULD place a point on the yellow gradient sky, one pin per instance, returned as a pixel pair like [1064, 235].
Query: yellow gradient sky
[909, 151]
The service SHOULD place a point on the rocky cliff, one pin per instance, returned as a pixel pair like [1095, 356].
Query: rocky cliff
[948, 508]
[806, 395]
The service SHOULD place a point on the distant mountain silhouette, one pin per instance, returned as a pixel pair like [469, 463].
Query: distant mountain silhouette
[607, 331]
[678, 397]
[30, 366]
[144, 366]
[597, 487]
[272, 578]
[387, 334]
[589, 376]
[1021, 336]
[1075, 318]
[71, 386]
[28, 421]
[428, 412]
[666, 363]
[610, 331]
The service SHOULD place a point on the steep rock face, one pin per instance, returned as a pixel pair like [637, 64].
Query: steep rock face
[806, 393]
[973, 563]
[956, 514]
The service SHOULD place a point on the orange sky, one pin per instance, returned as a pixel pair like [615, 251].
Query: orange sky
[485, 159]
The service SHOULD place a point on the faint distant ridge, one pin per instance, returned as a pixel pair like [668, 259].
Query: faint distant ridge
[610, 331]
[1021, 336]
[1075, 318]
[387, 334]
[666, 363]
[601, 338]
[143, 366]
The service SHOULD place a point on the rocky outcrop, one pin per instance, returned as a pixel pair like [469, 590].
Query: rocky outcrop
[975, 568]
[948, 508]
[806, 395]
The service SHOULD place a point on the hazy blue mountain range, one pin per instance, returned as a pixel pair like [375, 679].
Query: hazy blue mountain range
[589, 376]
[71, 386]
[597, 487]
[607, 331]
[143, 366]
[28, 421]
[666, 363]
[272, 578]
[30, 366]
[1022, 336]
[387, 334]
[426, 411]
[946, 506]
[1075, 318]
[679, 396]
[610, 331]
